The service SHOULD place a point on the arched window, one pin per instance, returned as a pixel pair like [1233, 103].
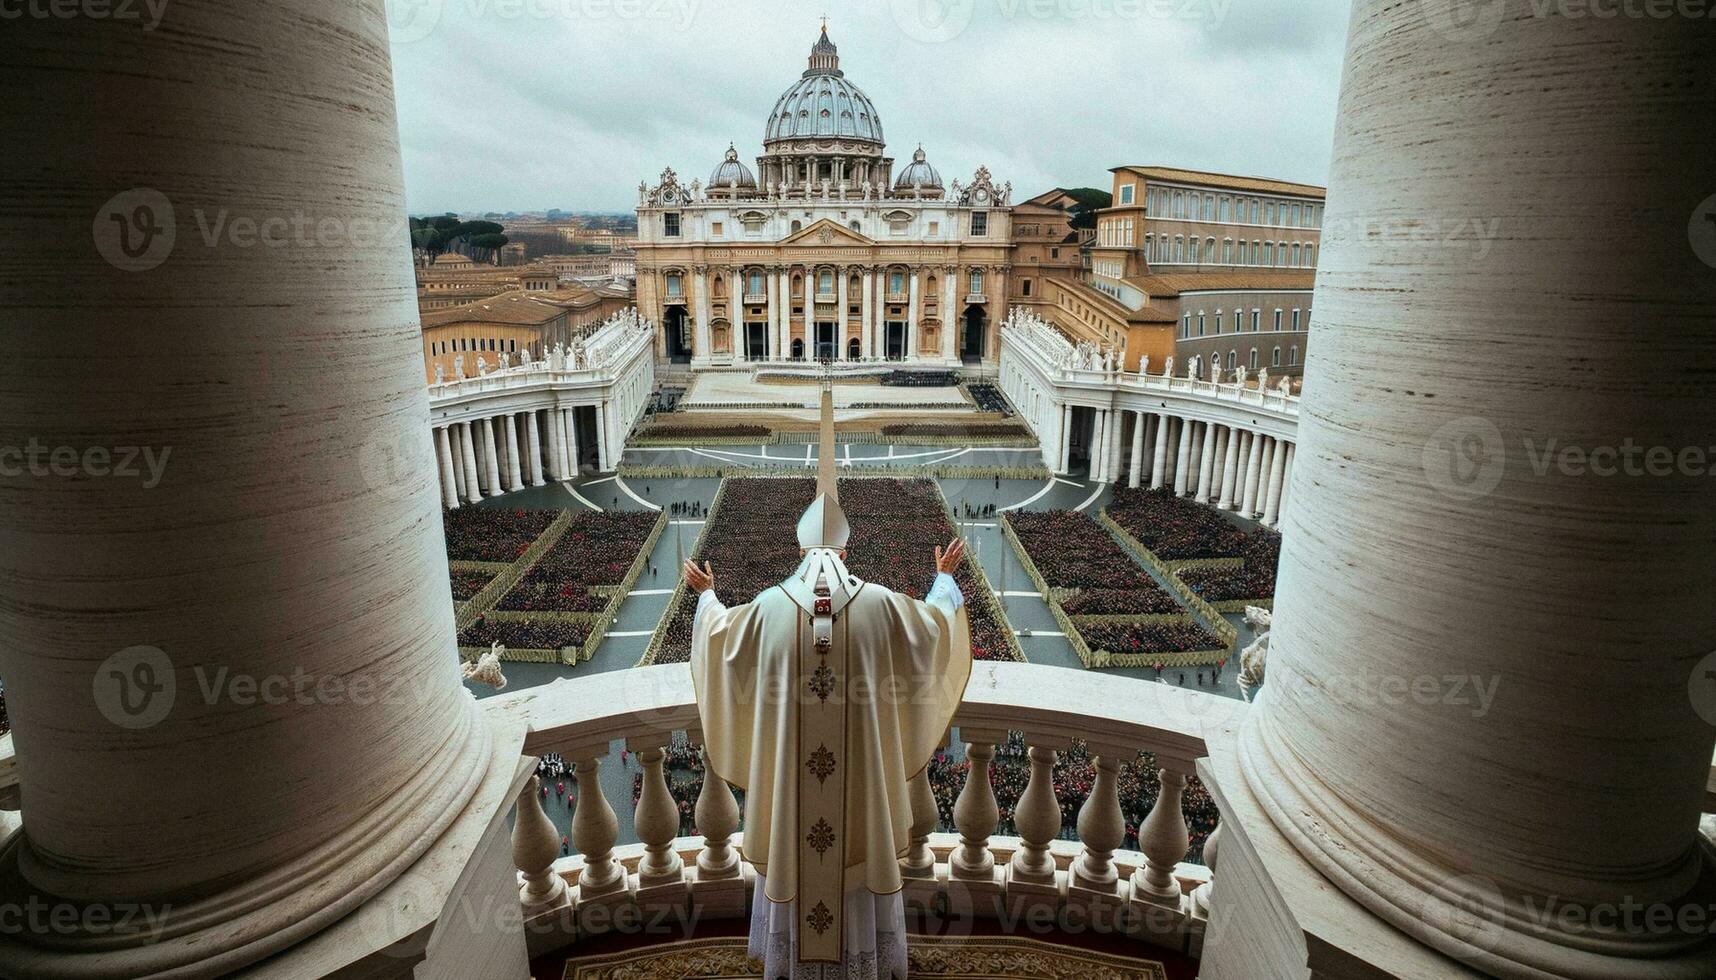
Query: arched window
[1310, 256]
[1227, 251]
[797, 226]
[1275, 359]
[1253, 361]
[1200, 323]
[1277, 321]
[1293, 355]
[1295, 253]
[1179, 248]
[1232, 360]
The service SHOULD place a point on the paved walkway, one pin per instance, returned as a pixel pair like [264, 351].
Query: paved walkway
[629, 636]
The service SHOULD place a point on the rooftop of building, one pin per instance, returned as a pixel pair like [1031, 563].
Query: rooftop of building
[1207, 178]
[515, 308]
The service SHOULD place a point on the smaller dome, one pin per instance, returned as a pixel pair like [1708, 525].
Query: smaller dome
[918, 173]
[732, 171]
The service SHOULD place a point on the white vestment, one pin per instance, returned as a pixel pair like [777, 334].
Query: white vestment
[824, 739]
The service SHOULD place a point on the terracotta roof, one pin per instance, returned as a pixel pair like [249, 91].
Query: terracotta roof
[1173, 284]
[1204, 178]
[1113, 307]
[514, 309]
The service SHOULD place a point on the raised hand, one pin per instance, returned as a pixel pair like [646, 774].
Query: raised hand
[947, 559]
[699, 579]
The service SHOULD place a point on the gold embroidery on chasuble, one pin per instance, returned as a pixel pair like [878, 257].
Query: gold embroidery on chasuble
[822, 800]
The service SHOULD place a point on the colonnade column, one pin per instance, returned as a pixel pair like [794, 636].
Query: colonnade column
[468, 447]
[491, 458]
[1159, 465]
[533, 448]
[1098, 446]
[514, 477]
[1066, 438]
[569, 424]
[556, 446]
[602, 454]
[1253, 472]
[1115, 444]
[1206, 469]
[1136, 473]
[1277, 472]
[458, 446]
[239, 826]
[1182, 464]
[444, 459]
[1599, 689]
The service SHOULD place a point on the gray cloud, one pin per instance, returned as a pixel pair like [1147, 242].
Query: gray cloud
[531, 104]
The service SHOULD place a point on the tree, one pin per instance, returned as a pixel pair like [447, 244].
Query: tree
[1089, 201]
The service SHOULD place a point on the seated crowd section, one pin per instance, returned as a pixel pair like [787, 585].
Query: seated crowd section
[1176, 529]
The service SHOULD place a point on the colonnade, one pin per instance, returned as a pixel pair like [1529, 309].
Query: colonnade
[498, 454]
[1235, 468]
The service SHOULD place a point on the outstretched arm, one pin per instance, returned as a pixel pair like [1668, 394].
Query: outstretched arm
[945, 591]
[702, 582]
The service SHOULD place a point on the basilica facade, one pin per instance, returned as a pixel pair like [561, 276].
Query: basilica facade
[824, 251]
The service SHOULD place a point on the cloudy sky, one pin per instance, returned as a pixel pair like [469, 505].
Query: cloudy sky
[531, 104]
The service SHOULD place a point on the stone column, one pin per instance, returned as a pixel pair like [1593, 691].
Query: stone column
[950, 325]
[556, 446]
[785, 346]
[1224, 439]
[514, 477]
[867, 304]
[444, 461]
[533, 449]
[1287, 483]
[704, 310]
[1277, 472]
[1150, 437]
[1271, 447]
[1159, 465]
[1206, 465]
[1183, 464]
[246, 820]
[1136, 474]
[468, 444]
[1456, 557]
[491, 460]
[1253, 473]
[840, 324]
[1065, 442]
[1098, 442]
[914, 315]
[569, 423]
[457, 444]
[602, 438]
[773, 333]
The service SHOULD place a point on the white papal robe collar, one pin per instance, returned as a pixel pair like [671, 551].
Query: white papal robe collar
[822, 563]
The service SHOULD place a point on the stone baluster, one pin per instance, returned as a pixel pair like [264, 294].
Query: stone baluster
[717, 883]
[1101, 829]
[595, 828]
[535, 845]
[974, 882]
[1031, 879]
[661, 873]
[1163, 840]
[919, 861]
[1200, 899]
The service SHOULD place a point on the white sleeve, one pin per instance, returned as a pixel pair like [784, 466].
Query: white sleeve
[706, 601]
[945, 593]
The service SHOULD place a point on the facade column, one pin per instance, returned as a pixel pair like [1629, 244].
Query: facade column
[705, 309]
[771, 336]
[914, 316]
[1135, 477]
[842, 327]
[1159, 465]
[786, 311]
[950, 324]
[533, 449]
[444, 461]
[1253, 473]
[867, 313]
[997, 302]
[240, 823]
[1183, 463]
[513, 474]
[468, 444]
[1603, 691]
[1277, 473]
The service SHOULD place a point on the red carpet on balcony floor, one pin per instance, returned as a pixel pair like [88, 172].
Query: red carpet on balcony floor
[973, 957]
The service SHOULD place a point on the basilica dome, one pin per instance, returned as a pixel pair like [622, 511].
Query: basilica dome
[823, 104]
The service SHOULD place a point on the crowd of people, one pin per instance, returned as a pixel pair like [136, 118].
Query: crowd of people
[492, 534]
[1251, 581]
[466, 584]
[5, 723]
[1075, 774]
[761, 433]
[988, 398]
[919, 379]
[1073, 551]
[896, 525]
[526, 634]
[1121, 602]
[597, 549]
[955, 430]
[1130, 639]
[1177, 529]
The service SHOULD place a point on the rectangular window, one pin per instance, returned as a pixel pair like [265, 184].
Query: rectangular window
[670, 224]
[1026, 288]
[673, 286]
[935, 228]
[896, 283]
[977, 282]
[1200, 324]
[979, 224]
[1295, 321]
[1256, 320]
[1126, 192]
[1278, 321]
[1298, 214]
[1255, 208]
[1054, 253]
[756, 286]
[715, 229]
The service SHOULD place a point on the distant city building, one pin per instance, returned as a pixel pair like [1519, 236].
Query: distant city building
[824, 251]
